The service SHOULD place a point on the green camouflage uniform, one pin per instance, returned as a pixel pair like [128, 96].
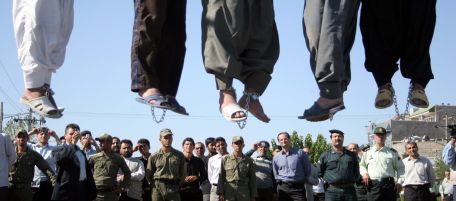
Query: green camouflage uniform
[105, 168]
[21, 173]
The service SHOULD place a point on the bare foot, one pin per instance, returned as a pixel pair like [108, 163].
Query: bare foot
[327, 103]
[149, 92]
[228, 97]
[33, 93]
[255, 108]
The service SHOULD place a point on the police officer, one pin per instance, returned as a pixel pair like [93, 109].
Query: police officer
[237, 181]
[339, 168]
[20, 175]
[105, 165]
[379, 166]
[166, 170]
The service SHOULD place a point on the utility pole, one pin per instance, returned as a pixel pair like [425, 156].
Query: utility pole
[1, 116]
[29, 122]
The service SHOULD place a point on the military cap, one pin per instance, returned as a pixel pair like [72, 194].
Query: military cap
[21, 133]
[104, 137]
[165, 132]
[336, 131]
[237, 139]
[380, 130]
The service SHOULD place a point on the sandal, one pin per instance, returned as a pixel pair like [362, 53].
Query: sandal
[42, 106]
[156, 100]
[175, 107]
[48, 92]
[419, 98]
[230, 110]
[384, 94]
[317, 113]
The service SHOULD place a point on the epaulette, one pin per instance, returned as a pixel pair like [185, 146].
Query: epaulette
[366, 149]
[394, 150]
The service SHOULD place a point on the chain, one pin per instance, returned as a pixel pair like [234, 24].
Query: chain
[406, 111]
[242, 124]
[152, 109]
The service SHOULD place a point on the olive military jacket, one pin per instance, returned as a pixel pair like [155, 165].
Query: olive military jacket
[166, 166]
[105, 168]
[21, 172]
[237, 170]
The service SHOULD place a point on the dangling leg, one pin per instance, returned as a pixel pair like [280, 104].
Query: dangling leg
[419, 23]
[329, 39]
[42, 30]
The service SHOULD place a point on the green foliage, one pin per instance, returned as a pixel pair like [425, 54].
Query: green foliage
[317, 148]
[440, 168]
[12, 127]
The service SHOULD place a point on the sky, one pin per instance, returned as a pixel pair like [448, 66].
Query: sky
[94, 83]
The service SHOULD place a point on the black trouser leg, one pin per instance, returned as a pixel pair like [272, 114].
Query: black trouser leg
[158, 48]
[44, 192]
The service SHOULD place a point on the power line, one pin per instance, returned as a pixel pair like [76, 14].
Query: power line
[9, 78]
[11, 102]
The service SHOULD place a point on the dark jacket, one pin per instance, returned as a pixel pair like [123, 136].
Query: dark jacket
[68, 186]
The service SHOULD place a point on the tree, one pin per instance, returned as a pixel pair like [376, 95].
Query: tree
[17, 123]
[317, 148]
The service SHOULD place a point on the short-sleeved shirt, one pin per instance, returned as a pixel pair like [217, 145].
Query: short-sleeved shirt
[382, 163]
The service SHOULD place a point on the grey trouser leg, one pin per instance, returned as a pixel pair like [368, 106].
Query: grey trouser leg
[329, 29]
[214, 196]
[240, 40]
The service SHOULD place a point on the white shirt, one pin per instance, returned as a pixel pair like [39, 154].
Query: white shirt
[46, 152]
[134, 188]
[418, 171]
[319, 188]
[446, 187]
[7, 157]
[213, 168]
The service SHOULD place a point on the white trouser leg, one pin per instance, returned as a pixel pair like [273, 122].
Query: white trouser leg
[42, 29]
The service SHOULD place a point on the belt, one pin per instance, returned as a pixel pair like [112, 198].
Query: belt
[386, 179]
[167, 181]
[238, 182]
[420, 186]
[342, 185]
[290, 183]
[446, 195]
[105, 190]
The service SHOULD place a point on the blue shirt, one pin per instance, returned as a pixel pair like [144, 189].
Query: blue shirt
[448, 154]
[291, 167]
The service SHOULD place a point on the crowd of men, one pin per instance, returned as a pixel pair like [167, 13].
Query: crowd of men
[79, 169]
